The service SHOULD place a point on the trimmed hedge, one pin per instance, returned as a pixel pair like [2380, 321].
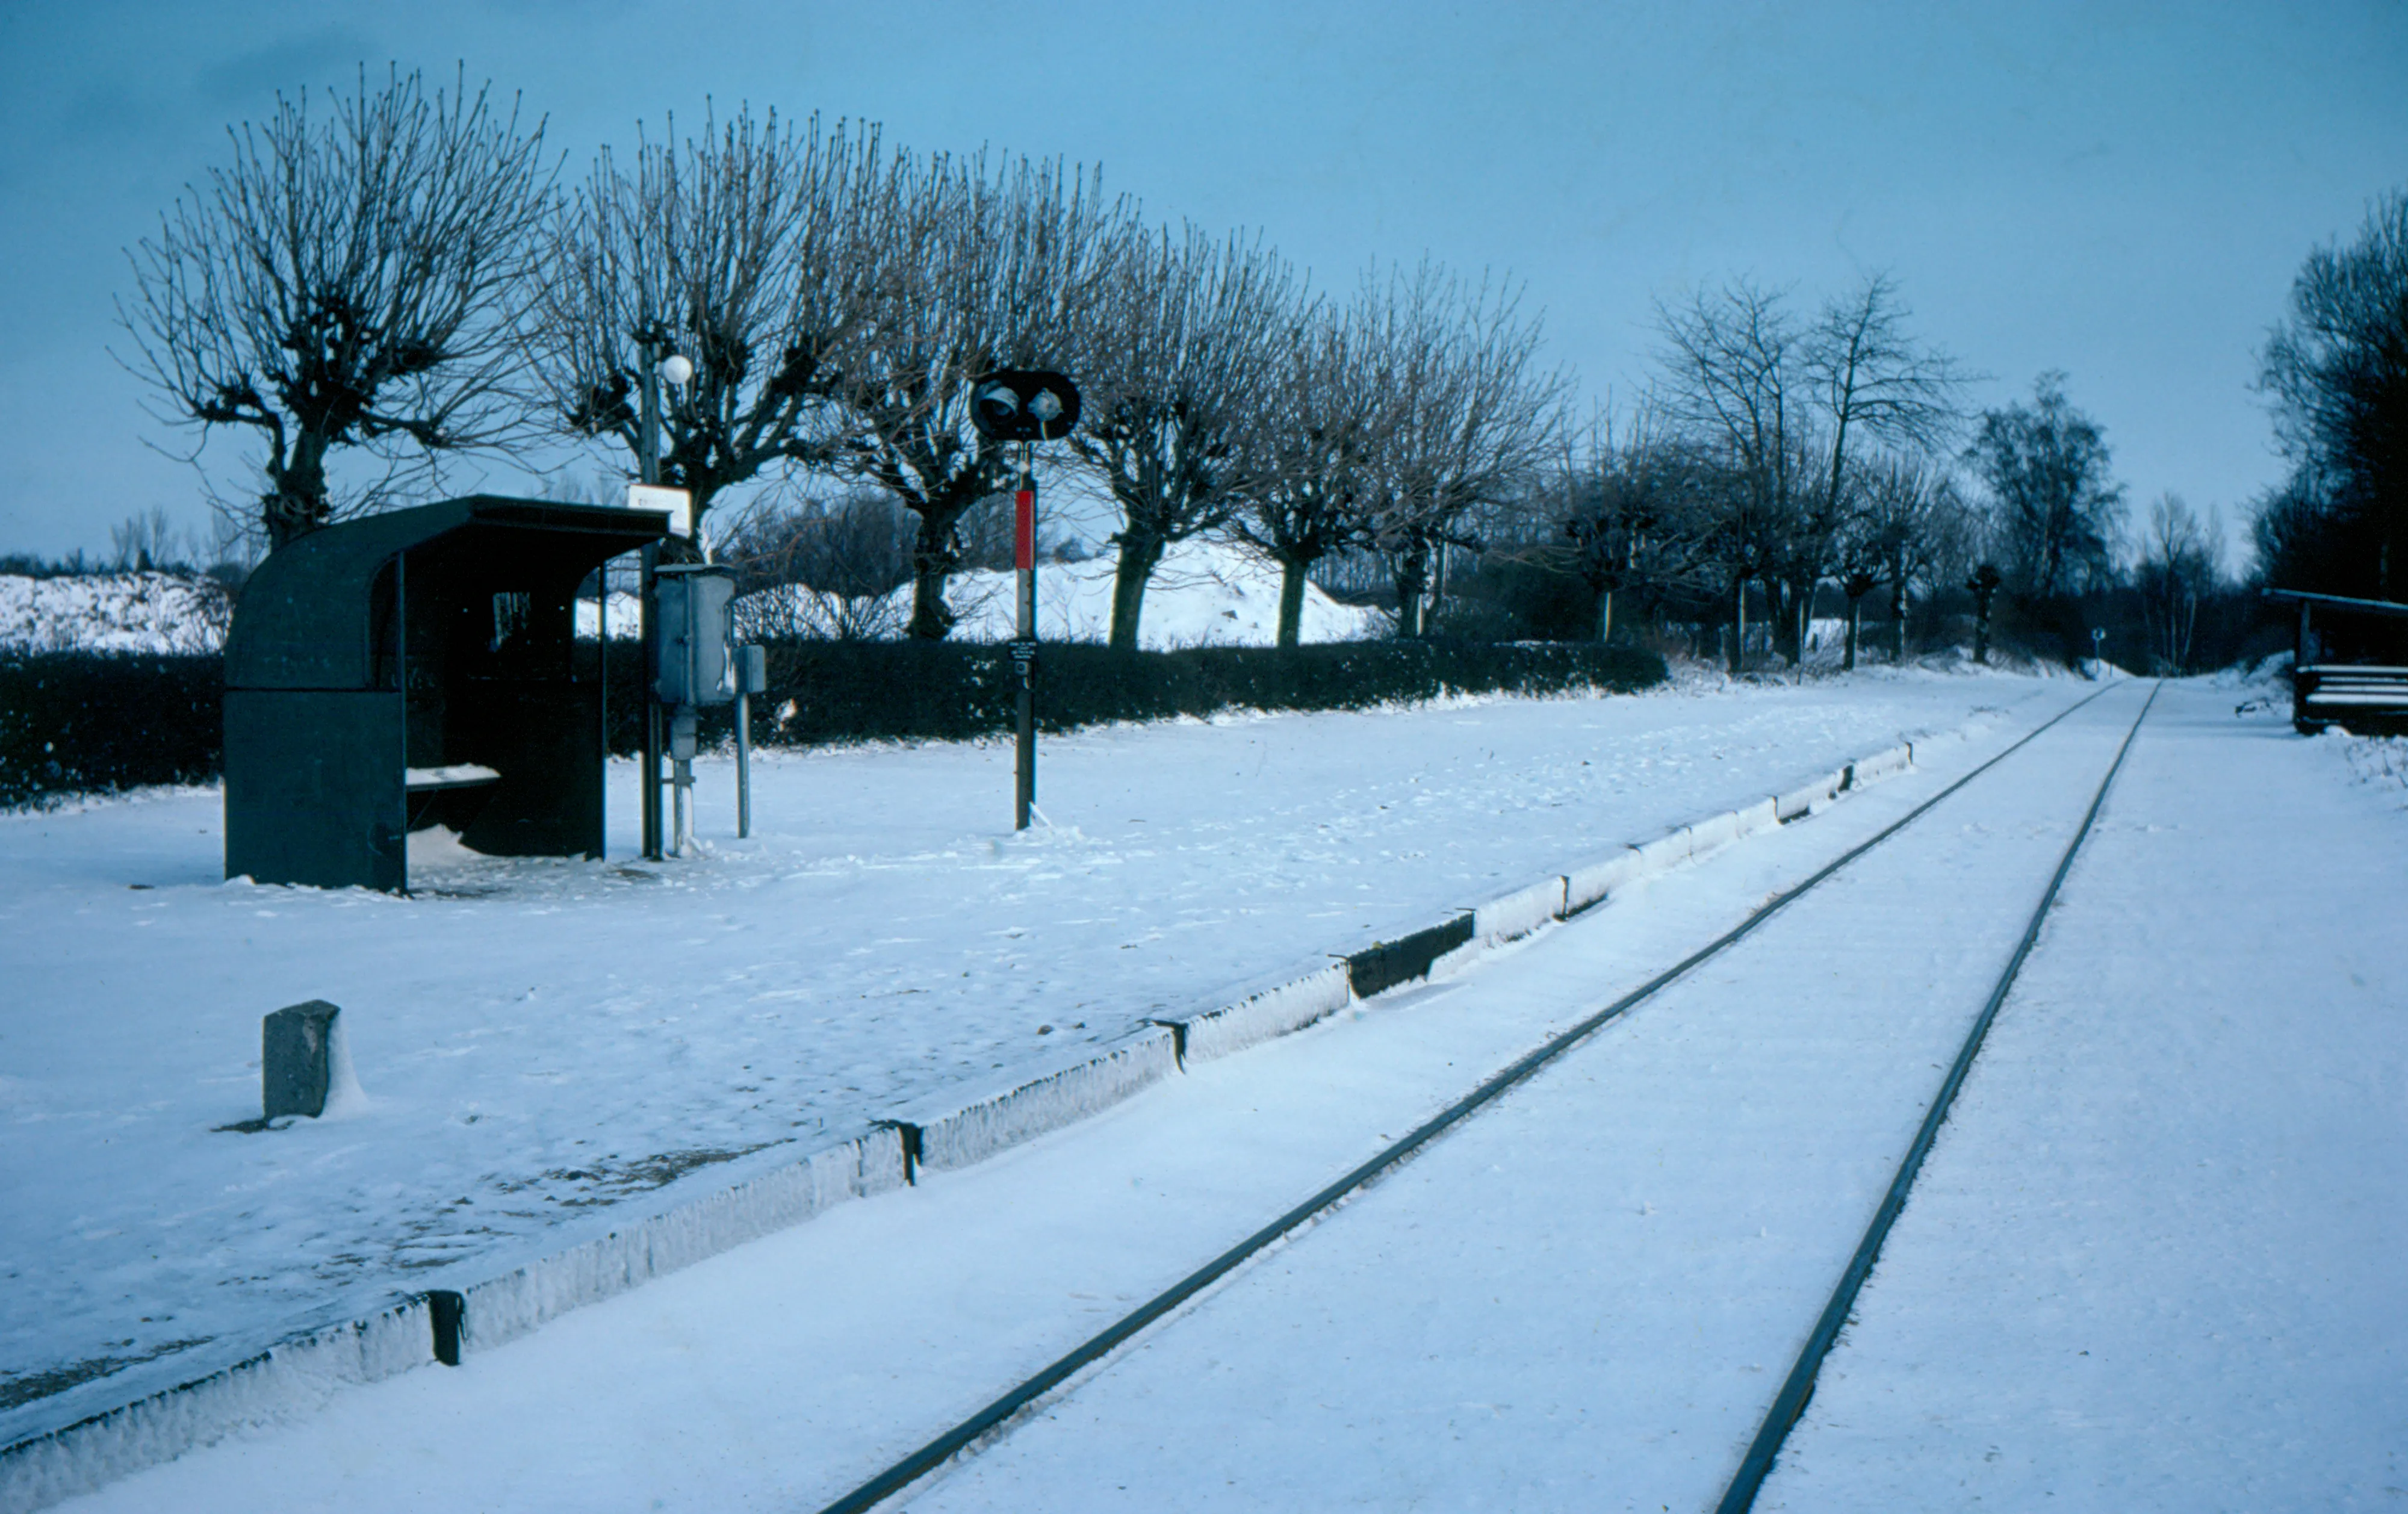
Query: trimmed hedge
[874, 690]
[94, 722]
[85, 722]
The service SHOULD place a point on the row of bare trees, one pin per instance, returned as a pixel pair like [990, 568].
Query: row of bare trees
[399, 277]
[1775, 453]
[396, 275]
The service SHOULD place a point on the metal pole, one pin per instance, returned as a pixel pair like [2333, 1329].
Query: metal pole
[1024, 649]
[602, 687]
[743, 763]
[648, 466]
[678, 831]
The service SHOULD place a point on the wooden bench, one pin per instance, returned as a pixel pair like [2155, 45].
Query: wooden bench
[457, 776]
[2366, 695]
[437, 795]
[2360, 698]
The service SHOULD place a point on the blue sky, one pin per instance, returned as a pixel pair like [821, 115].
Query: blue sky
[2121, 192]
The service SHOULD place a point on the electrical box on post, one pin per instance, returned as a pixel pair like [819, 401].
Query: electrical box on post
[694, 609]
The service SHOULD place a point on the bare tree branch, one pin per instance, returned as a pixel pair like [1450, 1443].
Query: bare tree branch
[1177, 412]
[751, 250]
[1471, 415]
[345, 284]
[977, 270]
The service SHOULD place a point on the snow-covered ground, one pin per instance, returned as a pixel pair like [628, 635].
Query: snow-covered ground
[2155, 1260]
[541, 1040]
[2145, 1268]
[1203, 595]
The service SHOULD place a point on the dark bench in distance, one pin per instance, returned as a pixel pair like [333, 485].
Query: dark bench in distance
[2351, 669]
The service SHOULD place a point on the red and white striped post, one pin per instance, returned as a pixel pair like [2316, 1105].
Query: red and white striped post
[1010, 407]
[1024, 647]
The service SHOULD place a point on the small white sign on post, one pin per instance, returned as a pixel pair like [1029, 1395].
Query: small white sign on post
[661, 497]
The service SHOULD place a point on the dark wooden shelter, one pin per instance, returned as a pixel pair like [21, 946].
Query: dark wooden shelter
[413, 667]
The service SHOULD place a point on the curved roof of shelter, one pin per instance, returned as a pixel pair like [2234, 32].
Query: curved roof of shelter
[303, 619]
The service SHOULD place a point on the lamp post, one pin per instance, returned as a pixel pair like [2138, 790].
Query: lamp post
[651, 368]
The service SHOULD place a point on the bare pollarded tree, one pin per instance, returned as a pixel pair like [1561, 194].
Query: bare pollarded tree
[1470, 418]
[750, 250]
[978, 269]
[1178, 396]
[1323, 426]
[344, 284]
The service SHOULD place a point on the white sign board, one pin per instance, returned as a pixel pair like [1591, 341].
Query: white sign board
[661, 497]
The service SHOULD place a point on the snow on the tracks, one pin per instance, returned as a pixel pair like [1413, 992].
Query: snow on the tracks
[2153, 1260]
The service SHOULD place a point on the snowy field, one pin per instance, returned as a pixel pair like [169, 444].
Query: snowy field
[2145, 1269]
[540, 1041]
[1203, 594]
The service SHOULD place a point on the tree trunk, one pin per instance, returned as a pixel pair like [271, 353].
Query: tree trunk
[1291, 611]
[1739, 627]
[1781, 616]
[1140, 556]
[1856, 612]
[1412, 580]
[1605, 617]
[932, 563]
[1897, 614]
[295, 504]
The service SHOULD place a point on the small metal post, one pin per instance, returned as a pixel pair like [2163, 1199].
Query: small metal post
[684, 732]
[1024, 649]
[752, 678]
[682, 778]
[602, 681]
[743, 763]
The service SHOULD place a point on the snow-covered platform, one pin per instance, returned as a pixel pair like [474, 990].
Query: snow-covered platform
[554, 1051]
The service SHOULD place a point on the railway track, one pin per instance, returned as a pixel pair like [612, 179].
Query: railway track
[1002, 1413]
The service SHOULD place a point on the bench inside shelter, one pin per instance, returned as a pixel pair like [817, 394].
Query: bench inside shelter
[413, 670]
[2349, 662]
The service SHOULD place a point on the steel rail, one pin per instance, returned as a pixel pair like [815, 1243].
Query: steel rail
[927, 1458]
[1788, 1403]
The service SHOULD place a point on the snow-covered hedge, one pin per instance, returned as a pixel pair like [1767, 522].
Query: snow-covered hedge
[822, 692]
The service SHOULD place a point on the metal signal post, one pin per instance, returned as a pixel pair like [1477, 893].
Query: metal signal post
[1023, 645]
[1026, 407]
